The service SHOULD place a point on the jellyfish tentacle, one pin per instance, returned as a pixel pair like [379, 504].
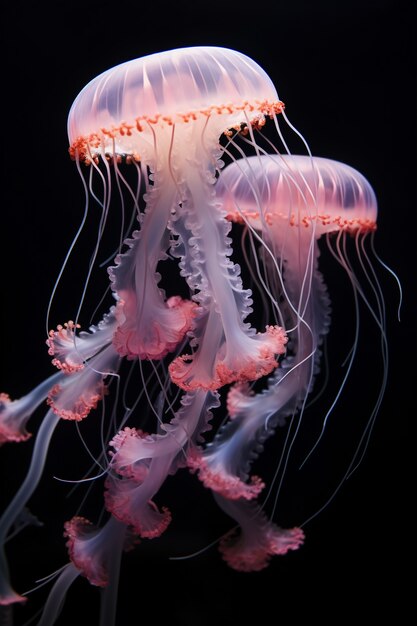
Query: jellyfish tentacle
[91, 549]
[57, 595]
[71, 394]
[28, 486]
[253, 418]
[131, 503]
[214, 474]
[14, 414]
[144, 462]
[251, 549]
[242, 353]
[79, 392]
[153, 326]
[71, 349]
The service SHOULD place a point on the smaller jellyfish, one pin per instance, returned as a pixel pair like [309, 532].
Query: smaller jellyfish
[286, 203]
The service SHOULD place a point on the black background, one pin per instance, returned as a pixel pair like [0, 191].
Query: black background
[346, 72]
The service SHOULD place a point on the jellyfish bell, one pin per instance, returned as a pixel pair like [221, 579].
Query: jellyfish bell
[297, 191]
[122, 109]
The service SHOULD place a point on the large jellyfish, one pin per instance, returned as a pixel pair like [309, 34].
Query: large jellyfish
[151, 137]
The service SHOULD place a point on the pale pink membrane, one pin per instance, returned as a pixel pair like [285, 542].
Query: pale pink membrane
[14, 414]
[71, 349]
[91, 549]
[131, 503]
[134, 449]
[165, 325]
[87, 360]
[251, 548]
[96, 554]
[169, 110]
[145, 461]
[215, 474]
[80, 392]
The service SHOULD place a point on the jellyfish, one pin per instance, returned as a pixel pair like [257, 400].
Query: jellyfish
[193, 372]
[288, 203]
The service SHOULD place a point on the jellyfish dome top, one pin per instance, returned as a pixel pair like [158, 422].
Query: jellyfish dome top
[181, 357]
[122, 109]
[299, 191]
